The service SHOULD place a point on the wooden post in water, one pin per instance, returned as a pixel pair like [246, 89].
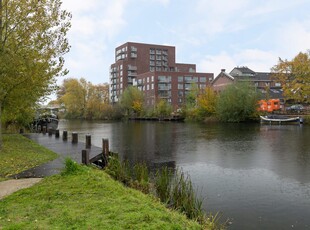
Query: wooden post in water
[85, 156]
[57, 133]
[105, 151]
[74, 138]
[88, 141]
[50, 131]
[65, 135]
[44, 130]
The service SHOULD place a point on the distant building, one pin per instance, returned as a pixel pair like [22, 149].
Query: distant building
[261, 80]
[153, 69]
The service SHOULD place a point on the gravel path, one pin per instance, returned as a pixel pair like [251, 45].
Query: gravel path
[10, 186]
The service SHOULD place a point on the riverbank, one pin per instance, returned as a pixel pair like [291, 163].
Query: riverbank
[86, 199]
[19, 154]
[89, 199]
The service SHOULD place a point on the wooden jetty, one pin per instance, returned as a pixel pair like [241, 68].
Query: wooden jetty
[65, 147]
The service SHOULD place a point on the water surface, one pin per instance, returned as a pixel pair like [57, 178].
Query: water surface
[257, 175]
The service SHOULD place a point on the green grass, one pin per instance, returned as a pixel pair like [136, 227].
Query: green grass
[86, 199]
[19, 153]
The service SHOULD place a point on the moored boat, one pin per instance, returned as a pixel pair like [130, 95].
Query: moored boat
[45, 117]
[280, 119]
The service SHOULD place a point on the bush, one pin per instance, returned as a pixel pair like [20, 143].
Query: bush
[71, 167]
[238, 102]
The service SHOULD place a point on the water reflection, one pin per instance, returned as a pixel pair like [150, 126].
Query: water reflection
[257, 174]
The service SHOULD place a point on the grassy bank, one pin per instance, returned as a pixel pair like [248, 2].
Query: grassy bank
[20, 153]
[88, 199]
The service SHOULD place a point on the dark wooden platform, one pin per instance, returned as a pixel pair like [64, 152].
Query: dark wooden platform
[63, 148]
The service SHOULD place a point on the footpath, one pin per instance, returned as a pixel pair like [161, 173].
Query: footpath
[64, 149]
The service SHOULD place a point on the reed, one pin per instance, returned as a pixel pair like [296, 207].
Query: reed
[163, 180]
[141, 177]
[119, 170]
[184, 198]
[173, 189]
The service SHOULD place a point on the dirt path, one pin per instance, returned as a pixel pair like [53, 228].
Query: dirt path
[10, 186]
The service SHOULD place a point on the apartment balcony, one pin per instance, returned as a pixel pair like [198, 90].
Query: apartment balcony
[113, 70]
[131, 74]
[165, 53]
[164, 95]
[158, 52]
[165, 88]
[134, 49]
[132, 68]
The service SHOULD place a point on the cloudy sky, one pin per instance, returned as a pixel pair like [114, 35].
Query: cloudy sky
[213, 34]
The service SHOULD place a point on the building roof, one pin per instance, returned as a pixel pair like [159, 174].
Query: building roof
[239, 71]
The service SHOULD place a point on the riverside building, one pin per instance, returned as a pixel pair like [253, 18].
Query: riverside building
[153, 69]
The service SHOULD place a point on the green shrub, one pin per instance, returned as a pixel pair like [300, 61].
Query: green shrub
[71, 167]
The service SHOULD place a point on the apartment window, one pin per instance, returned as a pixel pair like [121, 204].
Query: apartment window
[121, 67]
[121, 79]
[180, 79]
[180, 86]
[147, 87]
[147, 79]
[121, 73]
[188, 78]
[152, 86]
[277, 84]
[203, 79]
[158, 68]
[152, 78]
[152, 68]
[152, 57]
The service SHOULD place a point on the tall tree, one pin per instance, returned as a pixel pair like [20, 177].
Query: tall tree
[206, 102]
[32, 44]
[73, 94]
[294, 77]
[132, 100]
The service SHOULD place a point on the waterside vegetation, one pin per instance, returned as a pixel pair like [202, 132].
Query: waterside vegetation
[171, 186]
[102, 202]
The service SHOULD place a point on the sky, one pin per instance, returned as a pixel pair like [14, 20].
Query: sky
[213, 34]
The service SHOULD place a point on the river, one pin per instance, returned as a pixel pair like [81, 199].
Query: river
[256, 175]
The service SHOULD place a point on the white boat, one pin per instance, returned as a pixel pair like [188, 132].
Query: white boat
[280, 119]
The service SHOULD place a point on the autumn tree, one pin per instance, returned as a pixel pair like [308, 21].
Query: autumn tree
[206, 102]
[82, 99]
[73, 95]
[163, 108]
[32, 45]
[294, 77]
[132, 101]
[97, 101]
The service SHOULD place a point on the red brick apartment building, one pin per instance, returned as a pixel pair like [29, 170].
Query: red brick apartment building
[153, 69]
